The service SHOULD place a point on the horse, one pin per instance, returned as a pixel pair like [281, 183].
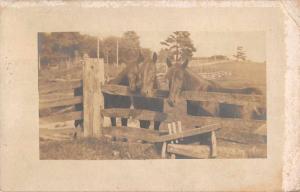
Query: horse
[129, 76]
[148, 84]
[181, 79]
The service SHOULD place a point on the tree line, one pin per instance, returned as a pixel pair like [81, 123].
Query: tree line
[55, 46]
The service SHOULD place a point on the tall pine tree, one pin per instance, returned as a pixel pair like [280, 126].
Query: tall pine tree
[179, 45]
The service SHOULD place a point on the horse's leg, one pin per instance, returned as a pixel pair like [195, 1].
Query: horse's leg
[156, 125]
[124, 121]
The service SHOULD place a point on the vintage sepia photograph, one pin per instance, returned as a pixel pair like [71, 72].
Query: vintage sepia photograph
[149, 96]
[152, 95]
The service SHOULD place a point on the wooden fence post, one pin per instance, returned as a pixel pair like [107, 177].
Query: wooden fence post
[100, 94]
[92, 97]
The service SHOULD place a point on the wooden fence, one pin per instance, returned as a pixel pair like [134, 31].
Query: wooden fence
[52, 96]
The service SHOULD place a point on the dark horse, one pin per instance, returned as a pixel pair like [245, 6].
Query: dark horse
[129, 76]
[148, 84]
[181, 79]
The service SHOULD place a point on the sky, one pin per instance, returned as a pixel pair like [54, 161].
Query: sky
[206, 43]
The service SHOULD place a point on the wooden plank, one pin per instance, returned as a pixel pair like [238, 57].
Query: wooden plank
[237, 136]
[238, 99]
[194, 151]
[101, 97]
[61, 117]
[60, 102]
[170, 130]
[213, 139]
[67, 94]
[228, 98]
[174, 130]
[164, 150]
[60, 86]
[230, 127]
[228, 152]
[173, 156]
[137, 114]
[116, 90]
[91, 98]
[187, 133]
[131, 133]
[125, 91]
[196, 121]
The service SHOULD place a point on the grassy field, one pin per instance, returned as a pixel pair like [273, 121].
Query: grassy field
[243, 74]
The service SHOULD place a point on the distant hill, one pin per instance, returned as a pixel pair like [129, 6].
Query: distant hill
[245, 73]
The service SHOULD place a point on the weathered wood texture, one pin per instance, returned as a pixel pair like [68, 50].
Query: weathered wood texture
[194, 151]
[62, 117]
[188, 120]
[242, 137]
[124, 91]
[229, 98]
[91, 99]
[203, 151]
[213, 146]
[60, 102]
[60, 86]
[187, 133]
[66, 94]
[238, 99]
[137, 114]
[155, 136]
[101, 97]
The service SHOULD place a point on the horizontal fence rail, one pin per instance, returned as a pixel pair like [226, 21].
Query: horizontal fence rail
[139, 114]
[228, 98]
[136, 114]
[60, 86]
[58, 94]
[61, 102]
[75, 115]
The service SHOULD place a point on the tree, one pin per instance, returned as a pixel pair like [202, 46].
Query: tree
[240, 54]
[53, 47]
[162, 55]
[88, 44]
[179, 45]
[109, 49]
[129, 46]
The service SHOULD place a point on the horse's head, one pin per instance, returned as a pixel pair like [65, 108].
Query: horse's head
[176, 78]
[133, 73]
[148, 76]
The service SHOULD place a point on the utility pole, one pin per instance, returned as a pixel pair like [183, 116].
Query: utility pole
[39, 62]
[117, 53]
[106, 57]
[98, 48]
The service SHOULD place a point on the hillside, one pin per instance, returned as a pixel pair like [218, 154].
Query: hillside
[242, 73]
